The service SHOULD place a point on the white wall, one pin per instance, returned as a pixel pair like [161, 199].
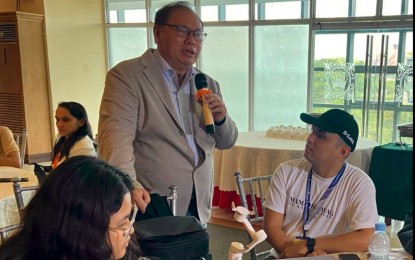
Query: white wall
[75, 36]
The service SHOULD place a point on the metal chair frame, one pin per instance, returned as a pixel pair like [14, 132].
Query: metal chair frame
[17, 189]
[172, 199]
[21, 141]
[254, 182]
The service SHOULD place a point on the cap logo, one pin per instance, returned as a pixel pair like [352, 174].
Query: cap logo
[345, 133]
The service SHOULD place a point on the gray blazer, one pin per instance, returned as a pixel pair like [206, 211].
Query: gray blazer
[140, 132]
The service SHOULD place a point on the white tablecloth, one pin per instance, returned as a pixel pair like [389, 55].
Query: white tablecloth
[9, 214]
[257, 155]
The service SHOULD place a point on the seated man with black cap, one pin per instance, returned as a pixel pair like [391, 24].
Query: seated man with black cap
[320, 204]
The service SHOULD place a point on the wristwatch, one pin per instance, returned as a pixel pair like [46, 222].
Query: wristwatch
[311, 242]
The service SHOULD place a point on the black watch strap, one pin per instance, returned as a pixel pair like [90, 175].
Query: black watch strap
[311, 242]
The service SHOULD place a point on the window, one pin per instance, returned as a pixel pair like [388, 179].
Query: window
[277, 58]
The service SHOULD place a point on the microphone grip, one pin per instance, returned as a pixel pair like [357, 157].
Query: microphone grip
[208, 118]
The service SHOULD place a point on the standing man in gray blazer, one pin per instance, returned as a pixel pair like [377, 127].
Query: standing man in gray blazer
[151, 125]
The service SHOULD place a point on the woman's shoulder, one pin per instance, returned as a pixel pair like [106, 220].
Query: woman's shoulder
[85, 141]
[84, 146]
[5, 129]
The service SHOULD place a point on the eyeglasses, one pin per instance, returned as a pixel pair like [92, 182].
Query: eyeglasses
[131, 219]
[185, 31]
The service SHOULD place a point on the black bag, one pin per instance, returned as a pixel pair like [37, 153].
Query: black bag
[158, 207]
[40, 172]
[172, 237]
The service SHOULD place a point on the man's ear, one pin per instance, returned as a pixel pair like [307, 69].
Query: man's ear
[156, 33]
[345, 150]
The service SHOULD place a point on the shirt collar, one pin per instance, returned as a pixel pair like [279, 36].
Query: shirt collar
[167, 69]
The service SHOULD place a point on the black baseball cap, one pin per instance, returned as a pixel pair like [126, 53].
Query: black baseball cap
[336, 121]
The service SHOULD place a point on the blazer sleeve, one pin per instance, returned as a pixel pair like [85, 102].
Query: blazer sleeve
[226, 133]
[118, 120]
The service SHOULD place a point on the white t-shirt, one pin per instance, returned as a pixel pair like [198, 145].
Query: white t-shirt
[350, 206]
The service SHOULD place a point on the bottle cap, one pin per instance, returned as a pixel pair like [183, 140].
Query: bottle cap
[380, 226]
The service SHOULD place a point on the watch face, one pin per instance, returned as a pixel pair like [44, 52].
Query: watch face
[311, 242]
[310, 245]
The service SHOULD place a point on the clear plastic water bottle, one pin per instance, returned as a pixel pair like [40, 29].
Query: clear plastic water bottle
[379, 245]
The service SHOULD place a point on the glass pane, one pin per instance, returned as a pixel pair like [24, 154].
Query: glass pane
[330, 8]
[391, 7]
[125, 43]
[405, 117]
[210, 13]
[280, 75]
[392, 53]
[330, 46]
[365, 8]
[410, 9]
[409, 48]
[391, 109]
[219, 11]
[360, 47]
[237, 12]
[228, 64]
[135, 16]
[280, 10]
[329, 54]
[404, 83]
[126, 11]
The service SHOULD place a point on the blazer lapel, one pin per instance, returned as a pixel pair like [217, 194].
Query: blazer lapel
[152, 71]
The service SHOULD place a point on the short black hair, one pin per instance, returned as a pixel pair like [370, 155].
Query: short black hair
[163, 14]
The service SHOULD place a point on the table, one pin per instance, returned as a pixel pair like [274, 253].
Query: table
[9, 214]
[391, 170]
[257, 155]
[395, 254]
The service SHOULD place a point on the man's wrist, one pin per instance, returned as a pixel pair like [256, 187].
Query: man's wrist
[310, 243]
[220, 122]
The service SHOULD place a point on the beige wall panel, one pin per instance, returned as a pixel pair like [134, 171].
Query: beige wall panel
[75, 32]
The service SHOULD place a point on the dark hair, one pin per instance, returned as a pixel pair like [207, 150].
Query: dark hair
[163, 14]
[64, 145]
[68, 217]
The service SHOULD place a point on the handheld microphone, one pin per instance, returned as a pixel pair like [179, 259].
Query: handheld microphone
[202, 89]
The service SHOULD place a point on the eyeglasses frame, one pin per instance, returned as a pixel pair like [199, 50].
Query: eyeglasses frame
[126, 231]
[184, 29]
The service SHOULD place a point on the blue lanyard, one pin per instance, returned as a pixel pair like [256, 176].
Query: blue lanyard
[306, 217]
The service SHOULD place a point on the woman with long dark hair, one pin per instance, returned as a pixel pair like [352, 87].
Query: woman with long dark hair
[75, 134]
[83, 210]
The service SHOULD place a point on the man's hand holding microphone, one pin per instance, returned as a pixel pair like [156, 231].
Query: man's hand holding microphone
[214, 109]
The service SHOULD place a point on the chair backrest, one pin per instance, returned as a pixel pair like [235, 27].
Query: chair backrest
[21, 141]
[257, 187]
[172, 199]
[18, 190]
[6, 231]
